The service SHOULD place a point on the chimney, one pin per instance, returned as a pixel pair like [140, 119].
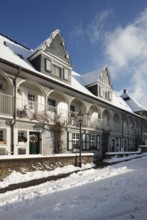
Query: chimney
[125, 90]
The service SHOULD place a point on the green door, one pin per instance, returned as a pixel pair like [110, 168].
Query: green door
[34, 142]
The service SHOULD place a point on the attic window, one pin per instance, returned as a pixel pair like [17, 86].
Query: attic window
[20, 56]
[127, 98]
[65, 74]
[5, 43]
[48, 65]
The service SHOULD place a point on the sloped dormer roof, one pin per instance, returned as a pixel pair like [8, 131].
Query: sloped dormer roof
[55, 46]
[134, 105]
[102, 76]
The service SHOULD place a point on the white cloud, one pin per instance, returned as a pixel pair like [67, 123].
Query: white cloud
[126, 52]
[96, 28]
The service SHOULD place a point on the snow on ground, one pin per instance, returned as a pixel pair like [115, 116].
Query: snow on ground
[17, 177]
[116, 192]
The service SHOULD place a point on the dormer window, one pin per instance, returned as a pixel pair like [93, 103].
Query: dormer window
[65, 74]
[57, 71]
[48, 65]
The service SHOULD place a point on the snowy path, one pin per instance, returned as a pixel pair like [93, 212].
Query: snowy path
[118, 192]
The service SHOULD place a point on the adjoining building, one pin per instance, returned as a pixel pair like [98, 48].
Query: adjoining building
[41, 96]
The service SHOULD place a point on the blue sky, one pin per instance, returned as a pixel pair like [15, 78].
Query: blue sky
[96, 33]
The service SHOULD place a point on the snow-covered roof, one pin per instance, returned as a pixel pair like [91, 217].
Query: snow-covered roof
[134, 105]
[14, 53]
[90, 77]
[78, 82]
[17, 54]
[46, 42]
[94, 76]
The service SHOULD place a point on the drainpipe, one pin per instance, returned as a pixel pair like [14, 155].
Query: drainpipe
[122, 130]
[14, 112]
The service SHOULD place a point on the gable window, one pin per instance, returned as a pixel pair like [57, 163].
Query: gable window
[48, 65]
[106, 94]
[57, 71]
[100, 92]
[109, 95]
[65, 74]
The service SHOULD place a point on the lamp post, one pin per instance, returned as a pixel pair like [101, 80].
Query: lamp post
[80, 120]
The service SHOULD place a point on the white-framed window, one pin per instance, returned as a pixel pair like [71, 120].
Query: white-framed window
[106, 94]
[48, 65]
[57, 71]
[66, 74]
[3, 136]
[110, 95]
[22, 136]
[100, 92]
[75, 140]
[92, 141]
[89, 141]
[31, 99]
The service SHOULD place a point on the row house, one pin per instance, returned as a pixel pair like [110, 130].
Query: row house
[41, 97]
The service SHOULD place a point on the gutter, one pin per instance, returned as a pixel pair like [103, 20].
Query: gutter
[14, 112]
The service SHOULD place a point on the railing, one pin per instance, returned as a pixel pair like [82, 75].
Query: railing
[6, 104]
[94, 122]
[41, 112]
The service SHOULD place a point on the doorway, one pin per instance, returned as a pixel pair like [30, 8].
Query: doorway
[34, 142]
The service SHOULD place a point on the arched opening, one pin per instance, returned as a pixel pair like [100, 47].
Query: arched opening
[30, 100]
[6, 95]
[94, 117]
[116, 123]
[77, 106]
[106, 119]
[57, 105]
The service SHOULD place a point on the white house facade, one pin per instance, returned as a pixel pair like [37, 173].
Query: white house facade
[41, 96]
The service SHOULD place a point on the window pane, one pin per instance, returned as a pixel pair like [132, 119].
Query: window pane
[51, 102]
[65, 74]
[48, 65]
[72, 108]
[22, 136]
[1, 135]
[57, 71]
[31, 97]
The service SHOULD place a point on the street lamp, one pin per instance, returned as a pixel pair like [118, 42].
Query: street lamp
[80, 120]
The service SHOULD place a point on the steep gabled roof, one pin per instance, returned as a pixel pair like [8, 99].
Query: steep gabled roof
[14, 53]
[54, 41]
[102, 75]
[134, 105]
